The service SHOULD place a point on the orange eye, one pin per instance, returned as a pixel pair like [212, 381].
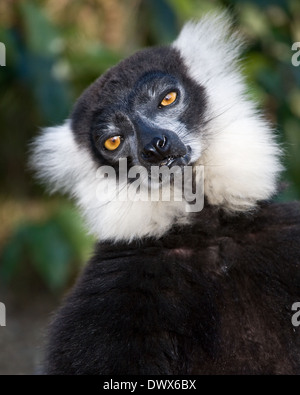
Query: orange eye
[169, 99]
[112, 143]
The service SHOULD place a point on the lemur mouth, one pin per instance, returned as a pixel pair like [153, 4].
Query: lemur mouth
[173, 160]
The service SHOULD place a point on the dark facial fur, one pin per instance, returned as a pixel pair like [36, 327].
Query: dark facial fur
[126, 102]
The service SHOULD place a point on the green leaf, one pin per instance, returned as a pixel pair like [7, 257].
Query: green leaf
[163, 20]
[37, 60]
[49, 253]
[71, 225]
[39, 31]
[11, 257]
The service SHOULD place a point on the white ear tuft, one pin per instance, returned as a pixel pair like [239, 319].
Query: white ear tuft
[241, 157]
[58, 160]
[209, 46]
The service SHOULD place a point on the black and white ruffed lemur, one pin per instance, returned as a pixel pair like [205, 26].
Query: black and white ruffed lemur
[168, 290]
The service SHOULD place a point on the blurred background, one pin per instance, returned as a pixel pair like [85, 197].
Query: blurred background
[54, 49]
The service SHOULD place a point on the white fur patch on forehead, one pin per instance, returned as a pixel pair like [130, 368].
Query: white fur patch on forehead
[240, 154]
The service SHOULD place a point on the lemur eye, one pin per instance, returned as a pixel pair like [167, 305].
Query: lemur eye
[112, 143]
[169, 99]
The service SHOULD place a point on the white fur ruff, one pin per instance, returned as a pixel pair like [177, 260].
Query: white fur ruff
[69, 168]
[240, 155]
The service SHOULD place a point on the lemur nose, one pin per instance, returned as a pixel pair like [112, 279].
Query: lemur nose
[157, 150]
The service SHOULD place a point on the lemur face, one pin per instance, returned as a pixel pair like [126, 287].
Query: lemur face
[184, 105]
[146, 110]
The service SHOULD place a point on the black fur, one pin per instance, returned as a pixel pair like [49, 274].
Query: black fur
[211, 298]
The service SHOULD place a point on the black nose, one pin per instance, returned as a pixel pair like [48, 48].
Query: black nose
[157, 150]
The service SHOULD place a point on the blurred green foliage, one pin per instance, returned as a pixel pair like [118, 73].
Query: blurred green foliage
[53, 248]
[56, 48]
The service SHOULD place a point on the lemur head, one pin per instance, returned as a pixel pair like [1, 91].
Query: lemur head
[175, 106]
[146, 109]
